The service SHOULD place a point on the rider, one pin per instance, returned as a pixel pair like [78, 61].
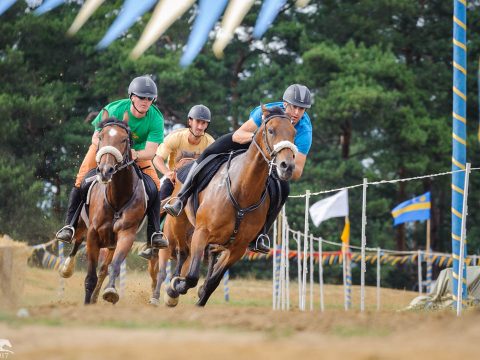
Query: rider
[146, 125]
[296, 99]
[183, 143]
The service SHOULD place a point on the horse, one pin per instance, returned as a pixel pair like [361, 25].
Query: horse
[117, 208]
[233, 207]
[178, 231]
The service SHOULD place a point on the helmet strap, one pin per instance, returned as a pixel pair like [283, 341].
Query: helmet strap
[136, 107]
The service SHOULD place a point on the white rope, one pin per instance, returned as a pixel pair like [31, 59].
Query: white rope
[382, 182]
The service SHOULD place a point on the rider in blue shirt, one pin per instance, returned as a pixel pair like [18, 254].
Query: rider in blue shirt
[296, 99]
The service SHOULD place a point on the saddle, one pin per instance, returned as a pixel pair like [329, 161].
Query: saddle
[278, 190]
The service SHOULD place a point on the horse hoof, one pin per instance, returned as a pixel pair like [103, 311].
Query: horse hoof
[170, 301]
[67, 268]
[154, 302]
[111, 295]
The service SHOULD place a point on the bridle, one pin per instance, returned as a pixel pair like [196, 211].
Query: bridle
[123, 160]
[272, 152]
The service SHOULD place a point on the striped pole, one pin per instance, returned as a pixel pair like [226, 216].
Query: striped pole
[226, 290]
[320, 273]
[274, 265]
[379, 255]
[168, 277]
[123, 276]
[428, 256]
[344, 271]
[459, 134]
[61, 289]
[299, 266]
[349, 278]
[311, 272]
[305, 251]
[363, 267]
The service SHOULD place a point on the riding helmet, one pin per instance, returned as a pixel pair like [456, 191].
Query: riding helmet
[200, 112]
[143, 86]
[298, 95]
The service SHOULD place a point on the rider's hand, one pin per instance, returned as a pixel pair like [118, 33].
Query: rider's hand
[134, 155]
[170, 175]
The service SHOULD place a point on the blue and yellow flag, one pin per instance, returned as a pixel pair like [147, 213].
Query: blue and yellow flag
[416, 209]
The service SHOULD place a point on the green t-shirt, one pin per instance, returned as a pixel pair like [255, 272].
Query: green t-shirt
[147, 128]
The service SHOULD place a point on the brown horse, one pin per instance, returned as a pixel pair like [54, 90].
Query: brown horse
[116, 209]
[178, 231]
[233, 207]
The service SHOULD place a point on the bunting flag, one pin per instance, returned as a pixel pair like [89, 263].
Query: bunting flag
[164, 15]
[88, 8]
[416, 209]
[5, 5]
[208, 13]
[48, 5]
[268, 13]
[131, 11]
[236, 11]
[333, 206]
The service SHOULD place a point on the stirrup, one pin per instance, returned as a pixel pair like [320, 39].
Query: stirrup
[164, 238]
[66, 227]
[169, 210]
[262, 237]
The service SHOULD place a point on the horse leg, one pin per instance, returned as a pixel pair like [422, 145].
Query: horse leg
[171, 295]
[153, 270]
[163, 256]
[106, 255]
[67, 269]
[199, 241]
[212, 258]
[92, 260]
[211, 283]
[124, 244]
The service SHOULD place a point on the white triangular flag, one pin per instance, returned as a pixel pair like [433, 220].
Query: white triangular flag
[333, 206]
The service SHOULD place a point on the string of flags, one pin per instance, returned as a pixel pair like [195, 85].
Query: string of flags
[166, 12]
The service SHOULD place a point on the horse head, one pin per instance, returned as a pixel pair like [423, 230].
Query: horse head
[114, 144]
[275, 141]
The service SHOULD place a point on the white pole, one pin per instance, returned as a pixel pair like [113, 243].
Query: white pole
[282, 265]
[287, 269]
[462, 241]
[305, 251]
[320, 273]
[364, 244]
[61, 289]
[299, 265]
[311, 272]
[378, 278]
[274, 267]
[344, 269]
[420, 280]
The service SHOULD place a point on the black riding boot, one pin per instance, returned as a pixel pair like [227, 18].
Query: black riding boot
[148, 252]
[177, 206]
[258, 245]
[155, 238]
[75, 203]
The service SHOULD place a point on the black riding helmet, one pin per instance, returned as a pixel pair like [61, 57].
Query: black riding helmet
[200, 112]
[298, 95]
[142, 86]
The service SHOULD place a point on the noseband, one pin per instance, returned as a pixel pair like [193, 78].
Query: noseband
[272, 153]
[122, 160]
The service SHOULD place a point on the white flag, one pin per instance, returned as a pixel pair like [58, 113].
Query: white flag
[333, 206]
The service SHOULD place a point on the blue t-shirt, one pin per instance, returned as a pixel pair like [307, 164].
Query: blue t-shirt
[303, 138]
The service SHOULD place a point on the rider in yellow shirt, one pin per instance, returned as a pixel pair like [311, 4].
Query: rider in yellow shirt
[180, 144]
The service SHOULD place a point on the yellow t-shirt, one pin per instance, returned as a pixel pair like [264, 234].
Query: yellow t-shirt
[176, 146]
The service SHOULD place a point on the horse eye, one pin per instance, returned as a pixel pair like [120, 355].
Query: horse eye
[270, 131]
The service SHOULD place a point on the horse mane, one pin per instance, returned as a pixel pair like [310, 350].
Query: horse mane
[276, 111]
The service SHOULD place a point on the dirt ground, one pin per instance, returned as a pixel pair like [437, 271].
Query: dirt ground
[48, 325]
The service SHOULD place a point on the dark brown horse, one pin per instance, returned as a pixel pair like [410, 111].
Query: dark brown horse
[233, 207]
[116, 209]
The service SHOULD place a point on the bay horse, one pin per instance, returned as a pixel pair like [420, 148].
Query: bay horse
[178, 231]
[233, 207]
[117, 207]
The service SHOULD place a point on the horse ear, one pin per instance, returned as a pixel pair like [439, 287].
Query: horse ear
[265, 111]
[105, 114]
[126, 118]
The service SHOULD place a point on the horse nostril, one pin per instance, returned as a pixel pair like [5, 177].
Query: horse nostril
[110, 170]
[283, 165]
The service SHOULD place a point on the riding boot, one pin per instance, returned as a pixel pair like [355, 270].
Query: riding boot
[177, 206]
[75, 203]
[155, 238]
[258, 245]
[148, 251]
